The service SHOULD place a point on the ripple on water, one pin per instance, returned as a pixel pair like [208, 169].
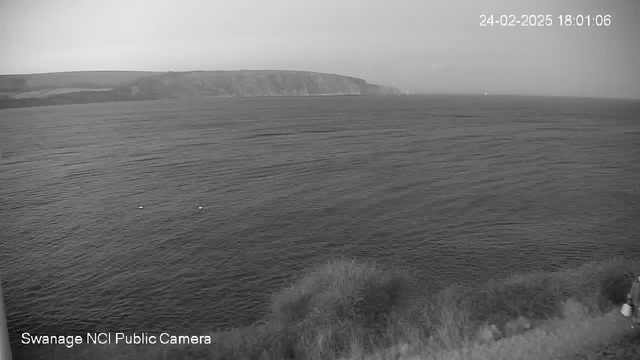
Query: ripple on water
[440, 186]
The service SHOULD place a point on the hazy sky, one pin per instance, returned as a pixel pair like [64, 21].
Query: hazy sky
[417, 45]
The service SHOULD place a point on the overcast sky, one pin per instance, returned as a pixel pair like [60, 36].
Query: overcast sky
[417, 45]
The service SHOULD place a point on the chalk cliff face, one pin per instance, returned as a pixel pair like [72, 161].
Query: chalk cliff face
[252, 84]
[23, 90]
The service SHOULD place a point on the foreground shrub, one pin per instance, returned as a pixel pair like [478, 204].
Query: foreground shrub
[338, 304]
[591, 289]
[346, 308]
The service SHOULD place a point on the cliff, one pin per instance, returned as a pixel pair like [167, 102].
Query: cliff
[88, 87]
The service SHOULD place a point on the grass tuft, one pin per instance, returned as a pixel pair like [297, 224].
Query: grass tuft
[339, 304]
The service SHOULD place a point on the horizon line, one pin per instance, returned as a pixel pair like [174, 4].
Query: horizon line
[408, 92]
[163, 71]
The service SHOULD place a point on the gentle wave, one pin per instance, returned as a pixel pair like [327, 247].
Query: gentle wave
[455, 188]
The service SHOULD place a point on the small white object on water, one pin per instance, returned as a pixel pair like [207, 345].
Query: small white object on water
[140, 207]
[200, 207]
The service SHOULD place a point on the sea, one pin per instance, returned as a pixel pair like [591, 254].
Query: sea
[186, 215]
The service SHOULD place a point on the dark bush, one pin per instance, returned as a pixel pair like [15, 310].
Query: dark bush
[615, 285]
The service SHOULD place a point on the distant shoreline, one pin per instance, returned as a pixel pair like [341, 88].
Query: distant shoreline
[43, 104]
[93, 87]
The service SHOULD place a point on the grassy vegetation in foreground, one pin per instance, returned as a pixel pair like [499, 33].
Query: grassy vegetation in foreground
[347, 308]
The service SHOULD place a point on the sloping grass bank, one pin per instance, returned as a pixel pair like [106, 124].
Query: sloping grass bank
[347, 308]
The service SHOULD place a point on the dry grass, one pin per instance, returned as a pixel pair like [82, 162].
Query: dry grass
[348, 309]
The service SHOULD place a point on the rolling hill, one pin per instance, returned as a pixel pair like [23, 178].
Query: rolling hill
[105, 86]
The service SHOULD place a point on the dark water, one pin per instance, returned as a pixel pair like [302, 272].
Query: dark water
[456, 188]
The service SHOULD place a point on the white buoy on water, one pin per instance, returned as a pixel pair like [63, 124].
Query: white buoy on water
[200, 207]
[140, 207]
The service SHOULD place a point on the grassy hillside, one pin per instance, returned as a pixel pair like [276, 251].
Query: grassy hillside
[72, 79]
[347, 308]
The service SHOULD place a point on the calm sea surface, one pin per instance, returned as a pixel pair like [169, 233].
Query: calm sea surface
[455, 188]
